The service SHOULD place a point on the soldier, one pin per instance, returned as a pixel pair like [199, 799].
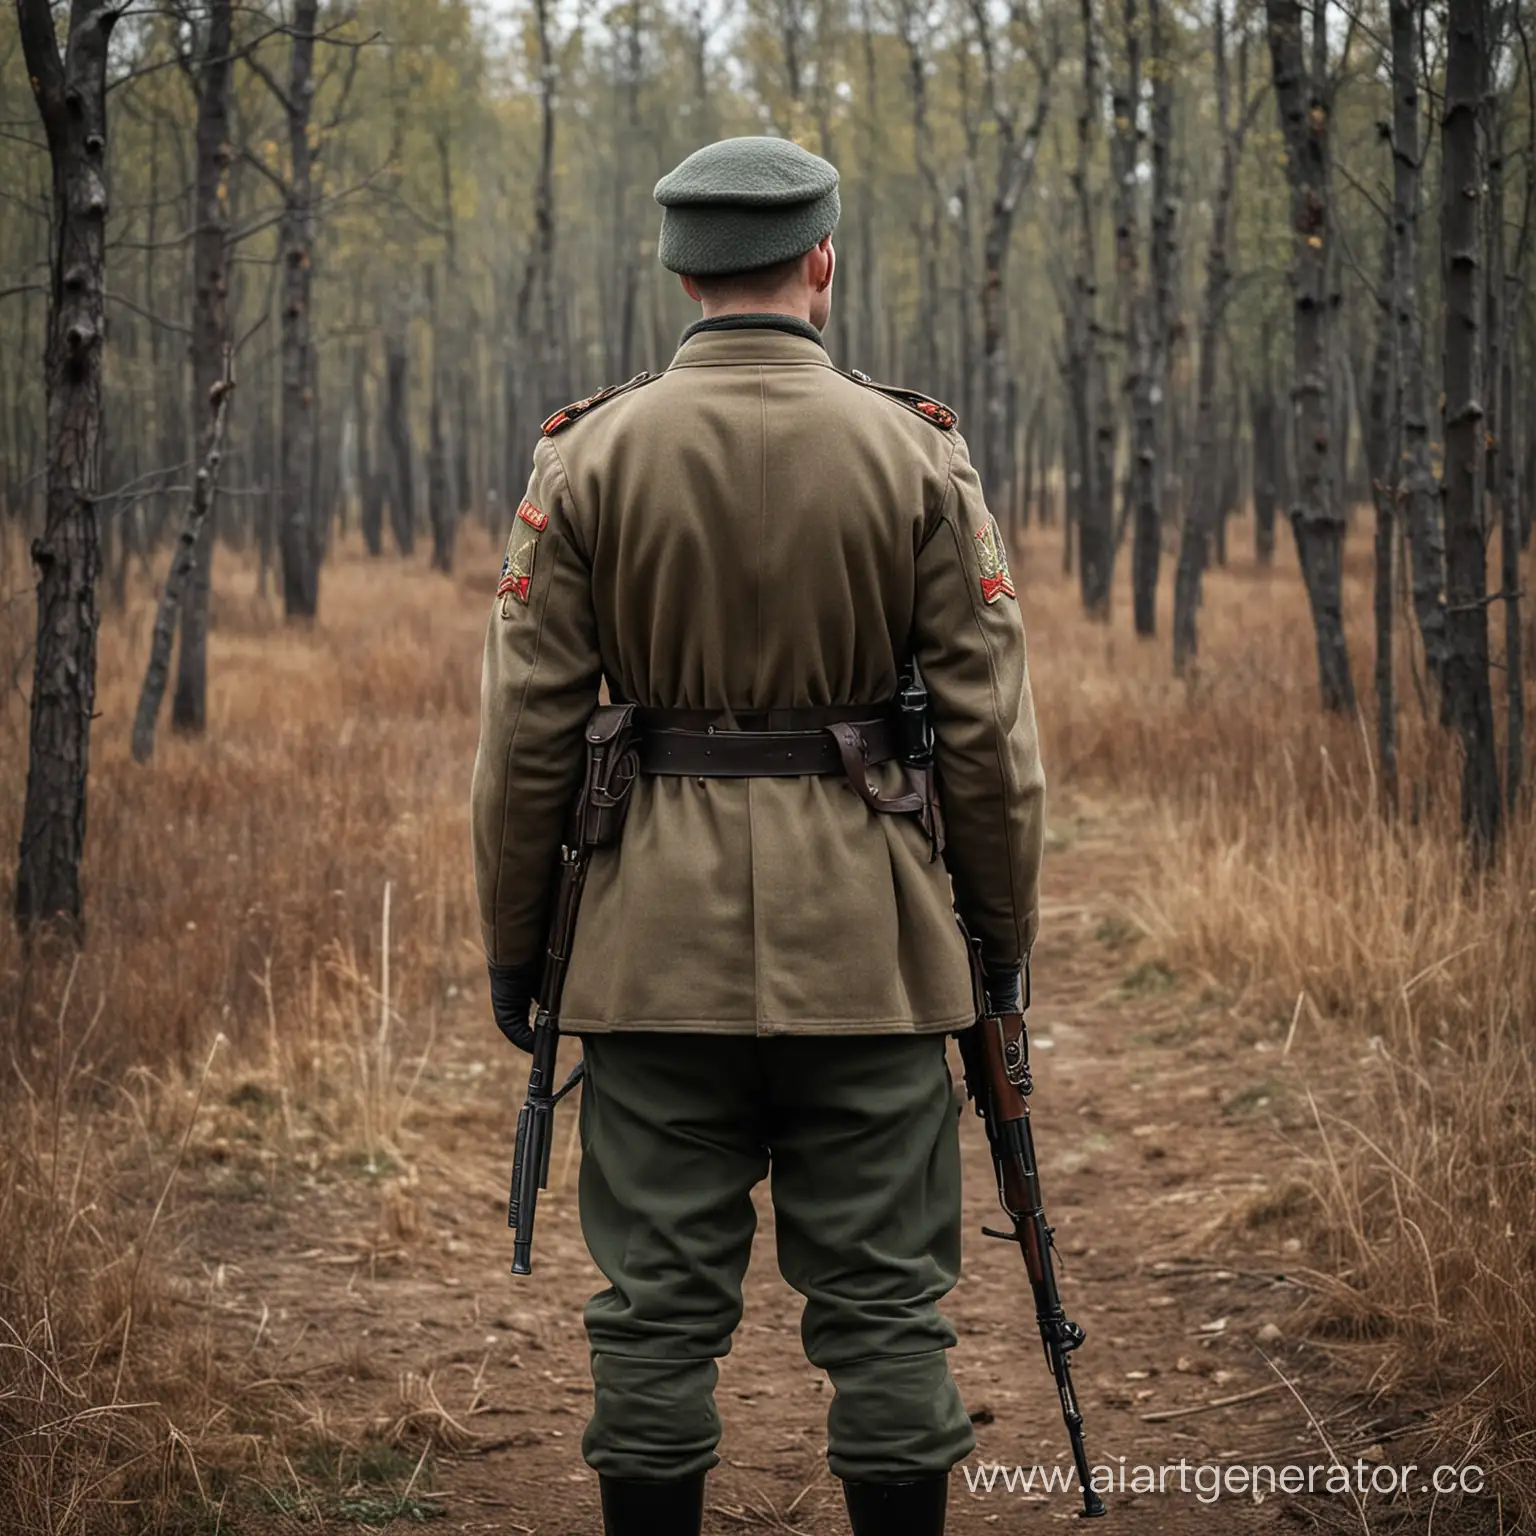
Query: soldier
[751, 546]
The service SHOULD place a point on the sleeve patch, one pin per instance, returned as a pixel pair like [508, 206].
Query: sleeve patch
[531, 515]
[517, 574]
[996, 578]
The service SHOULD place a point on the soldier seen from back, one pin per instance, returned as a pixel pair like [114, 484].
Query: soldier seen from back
[754, 549]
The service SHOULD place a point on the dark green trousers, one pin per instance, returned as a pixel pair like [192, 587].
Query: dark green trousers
[862, 1140]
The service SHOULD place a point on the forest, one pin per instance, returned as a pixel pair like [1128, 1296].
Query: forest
[1233, 301]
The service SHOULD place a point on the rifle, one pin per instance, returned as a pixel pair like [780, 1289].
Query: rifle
[995, 1053]
[595, 822]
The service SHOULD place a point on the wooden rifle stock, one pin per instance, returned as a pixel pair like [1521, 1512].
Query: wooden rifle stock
[995, 1052]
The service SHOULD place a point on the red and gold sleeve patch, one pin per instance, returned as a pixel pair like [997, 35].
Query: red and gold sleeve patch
[992, 555]
[517, 573]
[531, 515]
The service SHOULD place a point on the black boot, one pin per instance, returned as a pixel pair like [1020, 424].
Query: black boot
[632, 1508]
[913, 1508]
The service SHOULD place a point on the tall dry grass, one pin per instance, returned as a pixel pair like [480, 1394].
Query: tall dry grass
[237, 888]
[276, 914]
[1281, 879]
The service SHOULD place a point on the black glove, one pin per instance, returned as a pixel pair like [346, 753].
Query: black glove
[512, 989]
[1004, 986]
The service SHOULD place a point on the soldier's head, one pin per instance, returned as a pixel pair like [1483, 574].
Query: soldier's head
[747, 225]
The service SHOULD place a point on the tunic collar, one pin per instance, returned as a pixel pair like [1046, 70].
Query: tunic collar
[751, 340]
[793, 324]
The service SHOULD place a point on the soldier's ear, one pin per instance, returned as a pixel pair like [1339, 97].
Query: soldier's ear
[823, 262]
[690, 287]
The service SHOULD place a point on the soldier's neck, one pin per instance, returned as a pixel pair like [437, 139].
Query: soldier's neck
[756, 320]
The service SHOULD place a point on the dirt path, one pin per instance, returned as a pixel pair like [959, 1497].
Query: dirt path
[1158, 1115]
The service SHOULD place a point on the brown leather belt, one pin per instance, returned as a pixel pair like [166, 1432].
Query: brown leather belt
[763, 744]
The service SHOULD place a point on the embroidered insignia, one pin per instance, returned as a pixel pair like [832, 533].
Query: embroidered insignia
[996, 578]
[531, 515]
[568, 413]
[517, 573]
[931, 410]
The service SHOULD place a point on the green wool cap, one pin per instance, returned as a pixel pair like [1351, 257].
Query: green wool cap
[745, 203]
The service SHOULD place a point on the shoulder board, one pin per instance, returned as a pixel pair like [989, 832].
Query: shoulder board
[924, 405]
[569, 413]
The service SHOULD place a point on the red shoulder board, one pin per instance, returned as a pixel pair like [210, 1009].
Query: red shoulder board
[924, 405]
[577, 408]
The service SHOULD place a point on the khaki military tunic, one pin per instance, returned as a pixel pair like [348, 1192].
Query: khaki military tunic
[755, 530]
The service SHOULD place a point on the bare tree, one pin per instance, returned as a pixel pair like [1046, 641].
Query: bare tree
[1467, 686]
[1162, 321]
[71, 94]
[369, 487]
[298, 540]
[1018, 149]
[1505, 290]
[210, 333]
[1417, 493]
[1125, 162]
[1201, 519]
[1093, 424]
[630, 280]
[183, 564]
[1304, 96]
[442, 510]
[914, 24]
[397, 431]
[1383, 434]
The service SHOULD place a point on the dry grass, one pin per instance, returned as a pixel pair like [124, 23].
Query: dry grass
[240, 890]
[1411, 976]
[237, 888]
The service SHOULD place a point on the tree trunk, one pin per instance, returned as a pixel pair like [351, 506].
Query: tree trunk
[1093, 425]
[1381, 450]
[183, 563]
[1142, 487]
[910, 24]
[869, 139]
[1306, 114]
[1200, 520]
[1417, 493]
[440, 510]
[1027, 490]
[1018, 149]
[369, 491]
[1510, 491]
[1467, 685]
[1150, 405]
[551, 354]
[629, 279]
[1503, 450]
[397, 428]
[210, 332]
[1125, 157]
[299, 539]
[71, 96]
[1513, 498]
[1265, 472]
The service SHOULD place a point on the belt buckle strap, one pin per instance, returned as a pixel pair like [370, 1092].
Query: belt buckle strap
[854, 751]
